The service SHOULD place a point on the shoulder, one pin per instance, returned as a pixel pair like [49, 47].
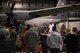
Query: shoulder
[26, 32]
[49, 35]
[57, 33]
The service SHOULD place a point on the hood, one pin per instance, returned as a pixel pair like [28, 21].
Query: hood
[31, 29]
[54, 33]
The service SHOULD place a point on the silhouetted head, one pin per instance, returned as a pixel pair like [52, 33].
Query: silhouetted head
[54, 28]
[74, 29]
[78, 32]
[51, 23]
[28, 26]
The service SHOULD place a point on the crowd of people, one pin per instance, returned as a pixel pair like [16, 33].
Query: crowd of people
[8, 34]
[32, 41]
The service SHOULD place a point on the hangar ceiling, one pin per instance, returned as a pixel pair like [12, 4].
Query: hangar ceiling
[31, 4]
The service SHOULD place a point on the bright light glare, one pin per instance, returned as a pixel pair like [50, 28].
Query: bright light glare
[18, 6]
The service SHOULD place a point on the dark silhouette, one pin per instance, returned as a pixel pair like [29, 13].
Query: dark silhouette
[72, 41]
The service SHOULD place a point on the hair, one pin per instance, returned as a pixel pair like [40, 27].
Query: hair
[54, 28]
[74, 29]
[68, 30]
[28, 26]
[78, 32]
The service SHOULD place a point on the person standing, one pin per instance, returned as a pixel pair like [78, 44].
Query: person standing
[43, 38]
[54, 41]
[63, 30]
[31, 38]
[5, 45]
[13, 37]
[23, 45]
[72, 41]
